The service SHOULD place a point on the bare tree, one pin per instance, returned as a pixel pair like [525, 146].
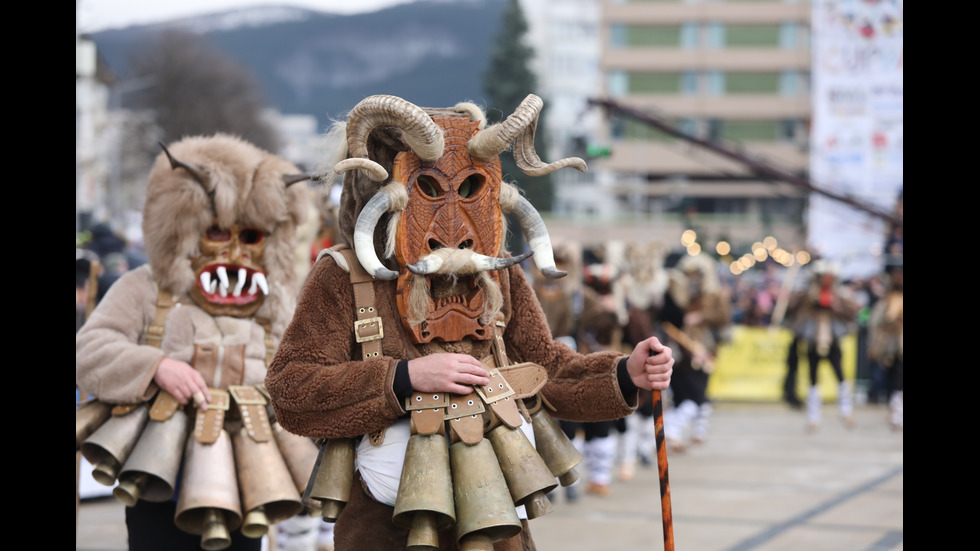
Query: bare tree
[197, 90]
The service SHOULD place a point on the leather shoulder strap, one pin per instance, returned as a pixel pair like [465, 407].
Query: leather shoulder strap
[368, 328]
[154, 333]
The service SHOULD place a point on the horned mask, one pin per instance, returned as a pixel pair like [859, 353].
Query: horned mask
[438, 201]
[220, 221]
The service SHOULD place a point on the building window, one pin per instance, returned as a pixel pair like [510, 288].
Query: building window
[714, 130]
[794, 131]
[689, 83]
[750, 131]
[752, 36]
[617, 83]
[654, 36]
[655, 83]
[618, 34]
[752, 83]
[789, 36]
[715, 35]
[688, 126]
[639, 131]
[617, 128]
[689, 36]
[789, 83]
[715, 83]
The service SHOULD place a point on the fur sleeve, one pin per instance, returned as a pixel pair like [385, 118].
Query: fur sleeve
[581, 387]
[112, 361]
[318, 385]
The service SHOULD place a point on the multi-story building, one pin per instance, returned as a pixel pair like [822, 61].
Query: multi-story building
[91, 101]
[736, 73]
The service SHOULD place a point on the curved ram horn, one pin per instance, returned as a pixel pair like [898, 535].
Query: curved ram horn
[537, 237]
[367, 220]
[519, 129]
[374, 171]
[418, 130]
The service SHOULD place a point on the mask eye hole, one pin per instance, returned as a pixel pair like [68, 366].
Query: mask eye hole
[217, 233]
[471, 185]
[250, 236]
[428, 186]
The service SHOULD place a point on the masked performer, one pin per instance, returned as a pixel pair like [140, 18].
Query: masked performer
[696, 315]
[825, 315]
[887, 347]
[197, 325]
[645, 284]
[418, 346]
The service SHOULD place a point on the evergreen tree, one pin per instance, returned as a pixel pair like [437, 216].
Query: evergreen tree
[507, 81]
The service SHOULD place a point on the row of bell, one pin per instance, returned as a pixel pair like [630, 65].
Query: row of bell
[473, 488]
[235, 482]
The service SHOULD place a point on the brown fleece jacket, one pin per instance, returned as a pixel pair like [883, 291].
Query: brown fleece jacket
[318, 390]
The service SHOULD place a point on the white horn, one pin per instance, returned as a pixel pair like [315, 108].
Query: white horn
[537, 238]
[367, 220]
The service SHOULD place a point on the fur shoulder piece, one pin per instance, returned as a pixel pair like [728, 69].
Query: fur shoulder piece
[338, 257]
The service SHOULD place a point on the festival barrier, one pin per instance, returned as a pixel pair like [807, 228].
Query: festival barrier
[751, 366]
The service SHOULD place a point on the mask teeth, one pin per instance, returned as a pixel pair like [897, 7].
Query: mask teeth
[207, 283]
[222, 273]
[259, 282]
[240, 284]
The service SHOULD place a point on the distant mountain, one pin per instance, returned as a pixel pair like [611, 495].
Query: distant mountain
[431, 52]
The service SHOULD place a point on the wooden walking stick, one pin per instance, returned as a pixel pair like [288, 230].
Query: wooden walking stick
[668, 519]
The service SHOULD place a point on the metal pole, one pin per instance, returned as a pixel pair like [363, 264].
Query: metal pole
[758, 166]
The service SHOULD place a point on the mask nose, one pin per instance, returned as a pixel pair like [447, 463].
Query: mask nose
[462, 244]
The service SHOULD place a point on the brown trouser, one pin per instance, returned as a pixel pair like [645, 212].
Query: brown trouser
[366, 524]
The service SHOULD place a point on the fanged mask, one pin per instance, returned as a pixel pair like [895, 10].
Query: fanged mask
[230, 277]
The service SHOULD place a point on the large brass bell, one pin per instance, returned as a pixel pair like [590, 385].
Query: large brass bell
[330, 483]
[424, 503]
[150, 472]
[555, 448]
[269, 494]
[209, 504]
[110, 445]
[527, 475]
[89, 416]
[299, 452]
[485, 510]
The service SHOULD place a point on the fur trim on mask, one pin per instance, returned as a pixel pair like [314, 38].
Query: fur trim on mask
[248, 190]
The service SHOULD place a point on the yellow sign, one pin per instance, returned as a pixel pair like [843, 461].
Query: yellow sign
[752, 366]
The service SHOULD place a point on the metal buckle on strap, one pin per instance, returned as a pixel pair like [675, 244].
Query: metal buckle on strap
[154, 333]
[369, 322]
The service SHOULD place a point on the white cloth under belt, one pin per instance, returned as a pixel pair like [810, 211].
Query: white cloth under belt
[381, 466]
